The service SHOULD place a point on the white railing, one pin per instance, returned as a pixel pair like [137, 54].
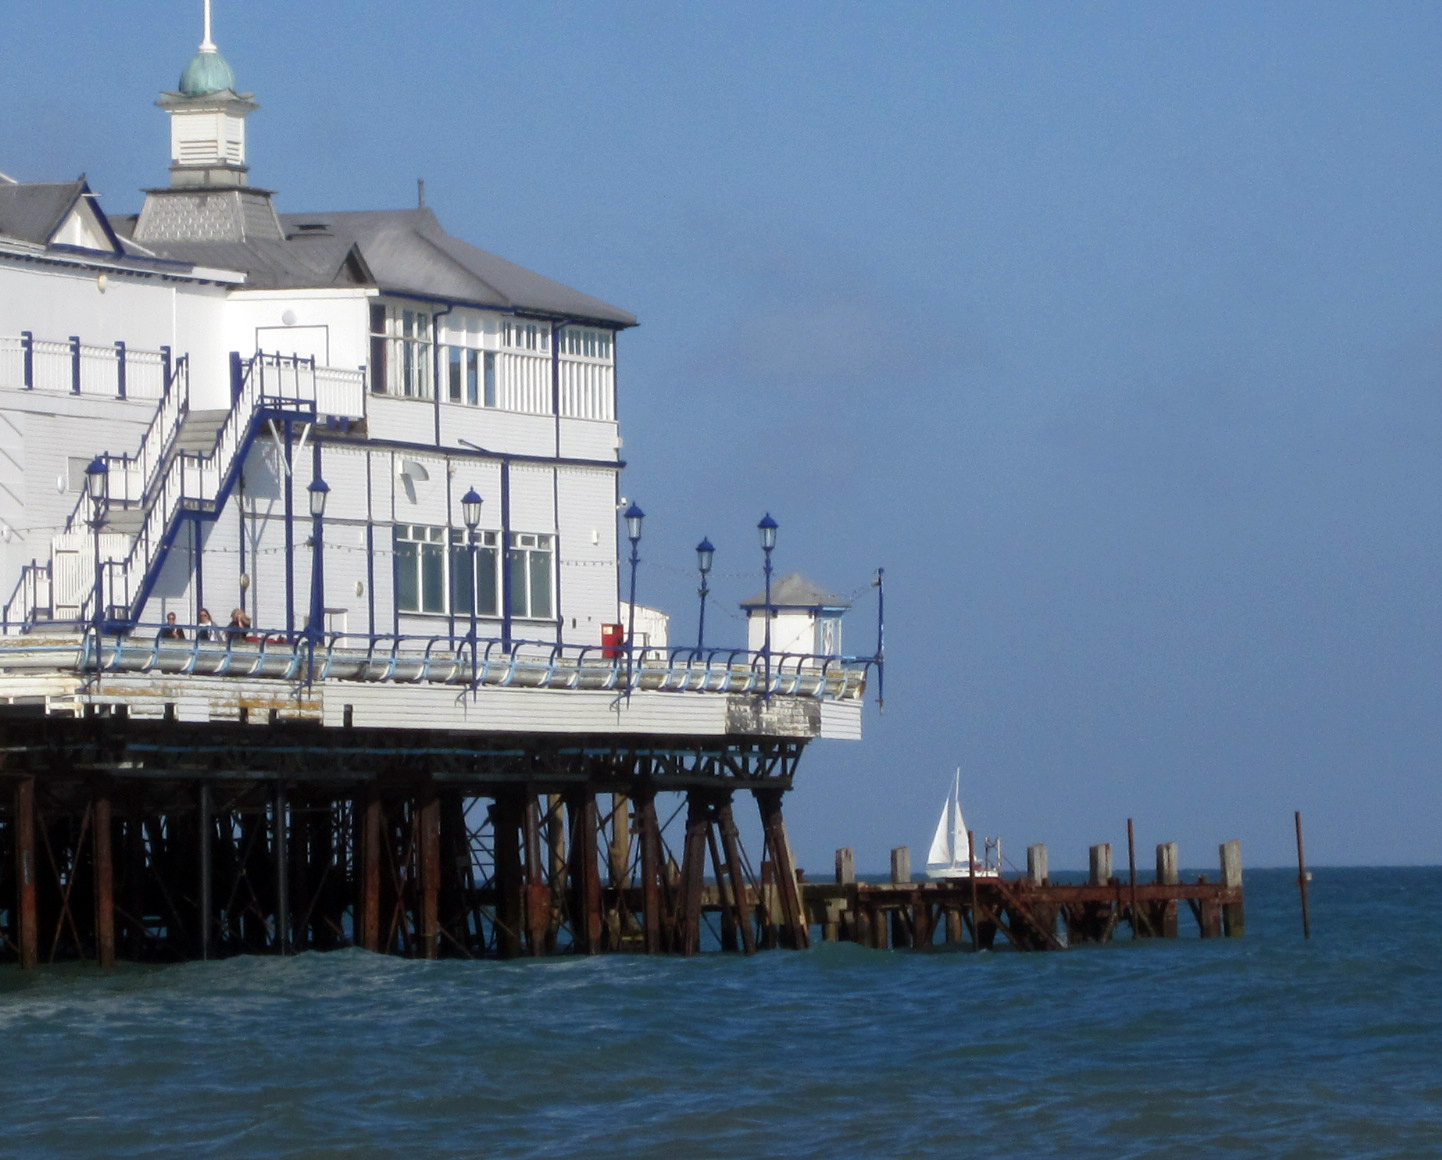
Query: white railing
[81, 368]
[12, 361]
[340, 392]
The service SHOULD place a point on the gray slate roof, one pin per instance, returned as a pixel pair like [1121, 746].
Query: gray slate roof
[33, 211]
[401, 251]
[407, 250]
[795, 591]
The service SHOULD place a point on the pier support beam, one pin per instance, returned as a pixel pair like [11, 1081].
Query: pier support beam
[1234, 923]
[693, 870]
[104, 868]
[796, 935]
[27, 928]
[653, 918]
[507, 822]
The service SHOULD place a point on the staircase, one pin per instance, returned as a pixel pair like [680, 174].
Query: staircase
[186, 467]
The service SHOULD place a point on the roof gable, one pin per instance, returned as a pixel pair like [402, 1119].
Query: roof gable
[62, 214]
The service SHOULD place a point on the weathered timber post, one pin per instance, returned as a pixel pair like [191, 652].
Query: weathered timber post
[556, 858]
[971, 877]
[426, 820]
[797, 937]
[848, 913]
[507, 820]
[1164, 914]
[878, 928]
[204, 831]
[902, 931]
[586, 919]
[1209, 914]
[1036, 864]
[745, 914]
[1302, 880]
[104, 876]
[693, 869]
[653, 920]
[1234, 922]
[620, 848]
[1140, 927]
[955, 929]
[368, 869]
[1101, 864]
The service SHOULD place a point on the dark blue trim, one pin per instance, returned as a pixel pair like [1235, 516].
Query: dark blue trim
[506, 554]
[289, 533]
[27, 347]
[74, 364]
[120, 370]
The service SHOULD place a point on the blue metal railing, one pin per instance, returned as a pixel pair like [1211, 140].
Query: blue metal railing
[445, 660]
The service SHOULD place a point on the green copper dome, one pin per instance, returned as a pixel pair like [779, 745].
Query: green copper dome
[207, 73]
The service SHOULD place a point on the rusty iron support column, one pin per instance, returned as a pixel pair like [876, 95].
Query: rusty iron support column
[586, 918]
[135, 869]
[693, 870]
[427, 823]
[507, 819]
[203, 828]
[556, 861]
[724, 900]
[27, 928]
[653, 921]
[368, 869]
[745, 912]
[280, 848]
[539, 934]
[797, 936]
[104, 868]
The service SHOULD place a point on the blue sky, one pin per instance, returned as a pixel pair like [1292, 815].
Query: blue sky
[1110, 330]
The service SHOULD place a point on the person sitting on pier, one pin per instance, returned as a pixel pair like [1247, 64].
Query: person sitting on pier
[239, 625]
[207, 630]
[171, 631]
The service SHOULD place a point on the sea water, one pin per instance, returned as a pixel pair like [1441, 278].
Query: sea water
[1263, 1047]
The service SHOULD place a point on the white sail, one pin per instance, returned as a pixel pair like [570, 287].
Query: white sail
[948, 846]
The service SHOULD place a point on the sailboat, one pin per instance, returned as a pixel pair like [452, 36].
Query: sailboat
[949, 856]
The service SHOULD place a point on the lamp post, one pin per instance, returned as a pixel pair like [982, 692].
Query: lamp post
[767, 528]
[704, 552]
[471, 514]
[319, 490]
[96, 478]
[633, 516]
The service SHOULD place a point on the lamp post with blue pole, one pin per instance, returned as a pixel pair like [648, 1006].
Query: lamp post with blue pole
[471, 514]
[633, 516]
[96, 478]
[767, 528]
[319, 491]
[704, 552]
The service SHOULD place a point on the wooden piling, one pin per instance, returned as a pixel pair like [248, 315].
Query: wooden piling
[1233, 911]
[901, 864]
[845, 866]
[1303, 880]
[1036, 864]
[1164, 914]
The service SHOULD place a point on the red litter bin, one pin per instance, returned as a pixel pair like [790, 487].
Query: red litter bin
[612, 637]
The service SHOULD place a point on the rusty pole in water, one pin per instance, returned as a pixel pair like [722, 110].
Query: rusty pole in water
[1302, 880]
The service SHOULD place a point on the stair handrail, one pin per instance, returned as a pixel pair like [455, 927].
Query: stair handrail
[149, 458]
[198, 479]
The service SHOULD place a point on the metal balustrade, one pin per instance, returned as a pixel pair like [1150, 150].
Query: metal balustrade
[443, 660]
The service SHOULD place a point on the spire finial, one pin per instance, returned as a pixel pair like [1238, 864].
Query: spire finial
[207, 45]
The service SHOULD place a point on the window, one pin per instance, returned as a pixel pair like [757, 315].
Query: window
[401, 351]
[483, 587]
[471, 376]
[529, 561]
[420, 561]
[433, 572]
[526, 335]
[586, 342]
